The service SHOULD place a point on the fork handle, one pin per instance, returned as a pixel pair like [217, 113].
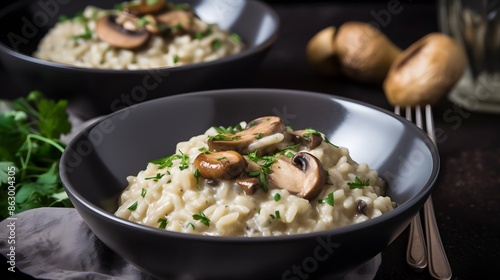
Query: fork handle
[439, 267]
[416, 253]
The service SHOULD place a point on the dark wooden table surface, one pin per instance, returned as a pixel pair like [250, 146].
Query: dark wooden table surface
[467, 194]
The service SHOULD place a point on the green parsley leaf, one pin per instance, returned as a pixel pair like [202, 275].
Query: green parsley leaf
[202, 34]
[197, 175]
[235, 37]
[358, 183]
[87, 34]
[143, 21]
[202, 218]
[169, 161]
[204, 150]
[133, 206]
[216, 44]
[162, 223]
[155, 178]
[277, 197]
[176, 58]
[328, 199]
[30, 132]
[144, 192]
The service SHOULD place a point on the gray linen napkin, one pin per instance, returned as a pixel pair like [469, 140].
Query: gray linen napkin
[55, 243]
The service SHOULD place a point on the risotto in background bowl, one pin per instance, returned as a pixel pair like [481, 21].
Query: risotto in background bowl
[397, 161]
[125, 60]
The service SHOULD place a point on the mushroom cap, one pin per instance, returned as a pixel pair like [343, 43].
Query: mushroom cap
[249, 185]
[302, 175]
[114, 34]
[143, 8]
[255, 131]
[321, 52]
[171, 18]
[311, 141]
[365, 53]
[425, 72]
[225, 165]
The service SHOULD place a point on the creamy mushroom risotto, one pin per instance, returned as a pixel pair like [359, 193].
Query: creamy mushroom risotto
[255, 179]
[136, 35]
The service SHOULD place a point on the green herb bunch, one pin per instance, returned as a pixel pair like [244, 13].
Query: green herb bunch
[30, 144]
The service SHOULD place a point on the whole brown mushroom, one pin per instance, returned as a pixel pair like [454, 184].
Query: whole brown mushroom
[321, 52]
[365, 53]
[425, 72]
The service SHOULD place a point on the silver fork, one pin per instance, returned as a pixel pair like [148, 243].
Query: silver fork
[428, 251]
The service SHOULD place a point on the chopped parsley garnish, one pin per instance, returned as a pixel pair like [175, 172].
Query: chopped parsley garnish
[358, 183]
[143, 21]
[202, 34]
[204, 150]
[87, 34]
[277, 197]
[152, 2]
[197, 175]
[235, 37]
[224, 132]
[265, 163]
[218, 137]
[190, 224]
[155, 178]
[133, 206]
[168, 161]
[162, 223]
[216, 44]
[177, 27]
[328, 199]
[221, 158]
[289, 154]
[259, 135]
[176, 58]
[144, 192]
[202, 218]
[228, 130]
[311, 131]
[276, 215]
[182, 6]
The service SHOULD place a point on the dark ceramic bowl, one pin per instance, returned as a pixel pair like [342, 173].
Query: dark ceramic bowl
[95, 164]
[24, 23]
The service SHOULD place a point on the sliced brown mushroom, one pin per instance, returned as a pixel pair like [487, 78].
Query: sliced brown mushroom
[249, 185]
[224, 165]
[311, 140]
[178, 20]
[144, 8]
[361, 207]
[256, 130]
[117, 35]
[302, 175]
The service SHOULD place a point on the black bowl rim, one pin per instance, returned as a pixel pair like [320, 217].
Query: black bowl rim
[245, 53]
[387, 217]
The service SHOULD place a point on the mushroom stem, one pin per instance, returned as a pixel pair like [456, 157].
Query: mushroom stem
[246, 140]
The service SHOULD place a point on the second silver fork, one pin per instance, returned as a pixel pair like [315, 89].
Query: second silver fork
[429, 250]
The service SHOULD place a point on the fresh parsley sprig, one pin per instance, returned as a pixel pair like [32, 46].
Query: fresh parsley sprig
[169, 161]
[30, 131]
[328, 200]
[358, 183]
[202, 218]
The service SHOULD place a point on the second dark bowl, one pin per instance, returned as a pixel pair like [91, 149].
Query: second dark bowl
[24, 23]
